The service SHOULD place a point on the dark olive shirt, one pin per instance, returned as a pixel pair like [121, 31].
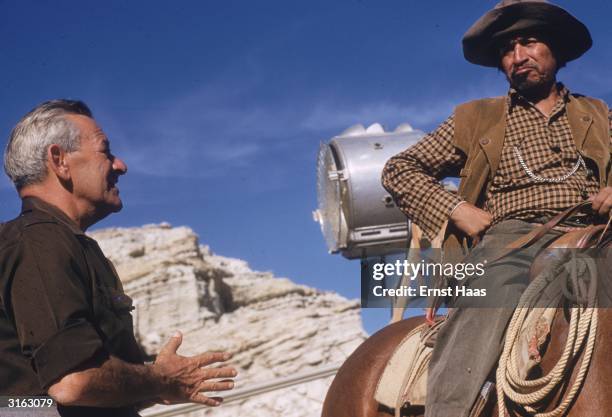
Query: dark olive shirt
[61, 303]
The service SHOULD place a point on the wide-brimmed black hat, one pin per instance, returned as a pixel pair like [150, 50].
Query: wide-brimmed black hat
[481, 42]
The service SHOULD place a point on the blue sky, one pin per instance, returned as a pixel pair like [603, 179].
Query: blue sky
[218, 107]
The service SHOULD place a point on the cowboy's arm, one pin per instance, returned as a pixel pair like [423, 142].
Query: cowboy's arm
[412, 178]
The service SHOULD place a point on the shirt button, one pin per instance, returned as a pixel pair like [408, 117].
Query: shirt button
[585, 118]
[484, 141]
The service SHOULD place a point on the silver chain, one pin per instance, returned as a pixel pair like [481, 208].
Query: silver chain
[537, 178]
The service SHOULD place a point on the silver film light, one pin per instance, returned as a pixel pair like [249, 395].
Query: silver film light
[358, 217]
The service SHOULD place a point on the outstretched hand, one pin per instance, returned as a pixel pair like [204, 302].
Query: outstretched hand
[187, 378]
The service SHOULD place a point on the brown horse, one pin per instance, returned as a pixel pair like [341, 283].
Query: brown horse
[352, 391]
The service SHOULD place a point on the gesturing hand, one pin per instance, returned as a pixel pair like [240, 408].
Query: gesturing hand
[186, 378]
[471, 220]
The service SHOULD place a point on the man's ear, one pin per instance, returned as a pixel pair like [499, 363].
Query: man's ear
[56, 162]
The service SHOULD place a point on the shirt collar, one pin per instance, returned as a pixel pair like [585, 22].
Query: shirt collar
[34, 203]
[515, 98]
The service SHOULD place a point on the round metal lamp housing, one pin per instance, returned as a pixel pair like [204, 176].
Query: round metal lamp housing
[357, 216]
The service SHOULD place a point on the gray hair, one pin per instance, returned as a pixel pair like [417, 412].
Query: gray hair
[25, 155]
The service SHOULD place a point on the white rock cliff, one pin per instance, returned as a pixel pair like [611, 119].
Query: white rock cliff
[276, 329]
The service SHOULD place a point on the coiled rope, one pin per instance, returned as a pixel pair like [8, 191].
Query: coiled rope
[582, 326]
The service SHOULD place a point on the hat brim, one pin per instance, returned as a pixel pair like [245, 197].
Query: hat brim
[481, 41]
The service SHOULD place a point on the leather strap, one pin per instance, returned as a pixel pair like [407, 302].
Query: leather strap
[539, 232]
[536, 234]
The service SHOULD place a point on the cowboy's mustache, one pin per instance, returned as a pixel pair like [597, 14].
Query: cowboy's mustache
[522, 67]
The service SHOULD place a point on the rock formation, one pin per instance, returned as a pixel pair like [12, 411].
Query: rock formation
[275, 328]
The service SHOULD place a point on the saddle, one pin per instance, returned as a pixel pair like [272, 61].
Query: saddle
[404, 380]
[403, 383]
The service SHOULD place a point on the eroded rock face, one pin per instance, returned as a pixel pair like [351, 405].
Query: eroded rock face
[274, 327]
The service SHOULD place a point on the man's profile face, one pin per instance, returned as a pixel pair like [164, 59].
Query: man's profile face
[528, 62]
[94, 170]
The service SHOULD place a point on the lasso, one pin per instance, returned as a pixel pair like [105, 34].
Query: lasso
[582, 326]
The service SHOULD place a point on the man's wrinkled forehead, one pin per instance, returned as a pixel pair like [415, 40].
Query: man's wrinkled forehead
[88, 128]
[511, 39]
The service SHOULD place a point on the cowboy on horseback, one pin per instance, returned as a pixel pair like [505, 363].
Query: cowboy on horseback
[521, 159]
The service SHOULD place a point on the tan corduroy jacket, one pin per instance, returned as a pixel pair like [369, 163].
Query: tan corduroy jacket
[480, 128]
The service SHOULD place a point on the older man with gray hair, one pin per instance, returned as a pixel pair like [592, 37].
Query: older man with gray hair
[65, 325]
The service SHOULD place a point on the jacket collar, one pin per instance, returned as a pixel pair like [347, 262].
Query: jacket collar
[516, 98]
[33, 203]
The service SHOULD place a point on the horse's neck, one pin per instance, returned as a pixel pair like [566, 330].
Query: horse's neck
[592, 397]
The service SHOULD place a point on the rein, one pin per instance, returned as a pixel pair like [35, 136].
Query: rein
[539, 232]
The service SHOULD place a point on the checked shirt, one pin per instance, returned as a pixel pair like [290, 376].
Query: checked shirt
[545, 144]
